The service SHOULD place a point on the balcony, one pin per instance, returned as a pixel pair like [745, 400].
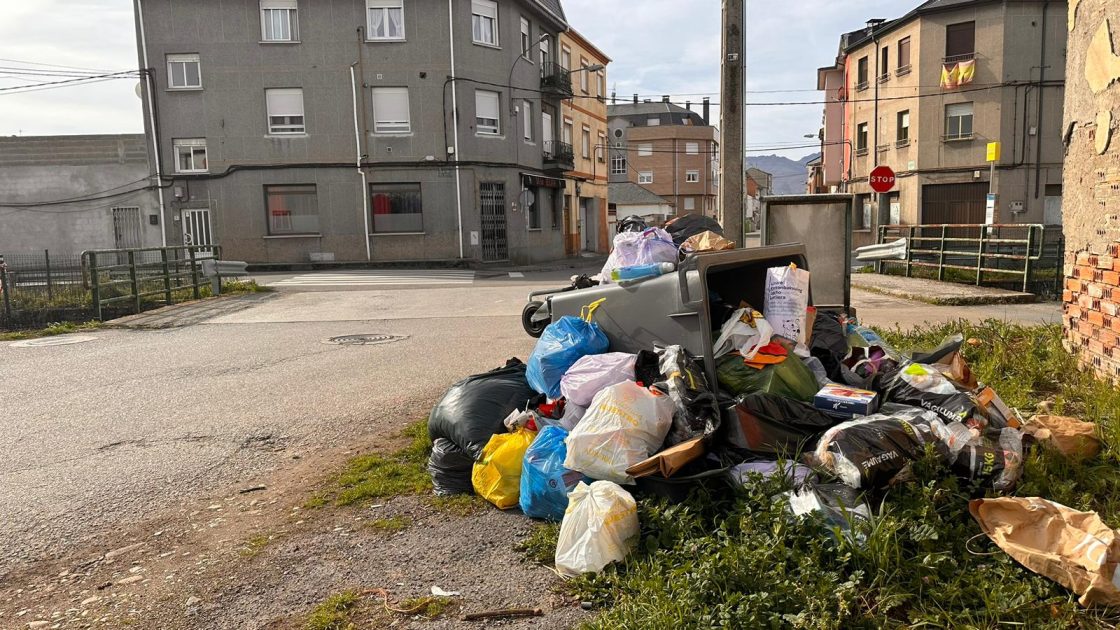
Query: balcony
[556, 80]
[558, 157]
[957, 137]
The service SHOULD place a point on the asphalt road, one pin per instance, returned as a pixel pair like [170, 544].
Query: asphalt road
[107, 432]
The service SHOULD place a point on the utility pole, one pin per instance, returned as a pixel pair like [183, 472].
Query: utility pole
[731, 121]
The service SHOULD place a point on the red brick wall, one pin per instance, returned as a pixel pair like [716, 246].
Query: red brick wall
[1092, 310]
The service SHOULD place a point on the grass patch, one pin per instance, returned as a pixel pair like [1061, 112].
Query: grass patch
[335, 613]
[540, 545]
[740, 562]
[458, 505]
[381, 476]
[429, 606]
[50, 330]
[255, 545]
[390, 525]
[231, 287]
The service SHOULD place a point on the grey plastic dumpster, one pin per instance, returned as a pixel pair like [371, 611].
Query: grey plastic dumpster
[675, 309]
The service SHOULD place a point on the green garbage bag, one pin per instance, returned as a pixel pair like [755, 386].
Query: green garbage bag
[790, 378]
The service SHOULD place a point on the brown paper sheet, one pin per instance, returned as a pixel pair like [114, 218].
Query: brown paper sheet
[669, 461]
[1069, 436]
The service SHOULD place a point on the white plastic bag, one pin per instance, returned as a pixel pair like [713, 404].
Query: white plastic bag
[787, 299]
[745, 332]
[594, 373]
[572, 415]
[600, 527]
[625, 425]
[653, 245]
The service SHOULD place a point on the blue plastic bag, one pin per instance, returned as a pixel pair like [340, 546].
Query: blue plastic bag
[564, 342]
[545, 483]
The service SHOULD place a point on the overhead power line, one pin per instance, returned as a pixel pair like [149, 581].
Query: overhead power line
[31, 87]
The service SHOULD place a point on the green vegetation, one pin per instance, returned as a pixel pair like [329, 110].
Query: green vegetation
[56, 328]
[255, 545]
[741, 562]
[458, 505]
[540, 545]
[429, 606]
[381, 476]
[335, 613]
[390, 525]
[234, 287]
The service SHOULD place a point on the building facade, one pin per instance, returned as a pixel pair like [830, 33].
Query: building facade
[68, 194]
[925, 94]
[758, 184]
[584, 128]
[360, 130]
[670, 150]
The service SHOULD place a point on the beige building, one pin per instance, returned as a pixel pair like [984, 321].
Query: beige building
[584, 129]
[926, 93]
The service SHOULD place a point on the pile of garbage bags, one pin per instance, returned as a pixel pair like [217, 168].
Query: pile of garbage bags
[578, 430]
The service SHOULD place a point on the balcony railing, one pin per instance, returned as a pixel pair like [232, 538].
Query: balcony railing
[883, 148]
[958, 137]
[905, 142]
[959, 58]
[861, 152]
[902, 70]
[556, 80]
[559, 156]
[861, 86]
[886, 76]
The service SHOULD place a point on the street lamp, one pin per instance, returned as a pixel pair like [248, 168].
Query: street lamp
[509, 84]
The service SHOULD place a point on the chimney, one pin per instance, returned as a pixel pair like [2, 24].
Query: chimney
[635, 99]
[665, 99]
[707, 110]
[688, 105]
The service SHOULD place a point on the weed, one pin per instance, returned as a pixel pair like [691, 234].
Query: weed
[230, 287]
[540, 545]
[334, 613]
[428, 606]
[316, 501]
[458, 505]
[56, 328]
[390, 525]
[379, 476]
[255, 545]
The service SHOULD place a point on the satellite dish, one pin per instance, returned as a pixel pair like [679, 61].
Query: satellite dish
[139, 90]
[527, 198]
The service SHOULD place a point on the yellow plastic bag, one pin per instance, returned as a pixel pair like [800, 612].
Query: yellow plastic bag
[497, 476]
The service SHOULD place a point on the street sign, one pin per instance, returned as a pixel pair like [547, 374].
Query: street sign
[882, 179]
[990, 209]
[994, 151]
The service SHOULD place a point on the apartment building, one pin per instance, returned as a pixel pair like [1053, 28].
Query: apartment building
[584, 128]
[670, 150]
[294, 131]
[926, 93]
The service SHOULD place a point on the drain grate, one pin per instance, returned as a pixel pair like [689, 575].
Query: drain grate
[365, 340]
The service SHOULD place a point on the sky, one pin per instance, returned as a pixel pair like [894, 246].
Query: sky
[657, 47]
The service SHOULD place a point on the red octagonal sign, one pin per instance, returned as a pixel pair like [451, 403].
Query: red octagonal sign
[882, 179]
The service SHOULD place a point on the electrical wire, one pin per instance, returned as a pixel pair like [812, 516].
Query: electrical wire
[121, 199]
[52, 65]
[32, 87]
[75, 199]
[26, 206]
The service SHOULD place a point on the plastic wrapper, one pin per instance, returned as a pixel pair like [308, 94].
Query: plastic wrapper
[926, 387]
[829, 344]
[787, 298]
[745, 333]
[652, 245]
[624, 425]
[572, 415]
[695, 407]
[839, 505]
[474, 408]
[790, 378]
[545, 483]
[563, 342]
[685, 227]
[450, 468]
[775, 425]
[600, 526]
[871, 451]
[594, 373]
[497, 476]
[996, 462]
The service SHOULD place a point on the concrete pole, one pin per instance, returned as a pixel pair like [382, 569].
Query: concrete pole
[731, 122]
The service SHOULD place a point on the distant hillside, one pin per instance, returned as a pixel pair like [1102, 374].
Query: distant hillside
[789, 175]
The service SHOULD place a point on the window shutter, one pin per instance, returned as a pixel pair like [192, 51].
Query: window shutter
[285, 102]
[384, 4]
[959, 109]
[390, 104]
[960, 39]
[905, 119]
[486, 104]
[278, 4]
[485, 8]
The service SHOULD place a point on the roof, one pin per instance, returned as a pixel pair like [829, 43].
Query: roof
[591, 48]
[624, 110]
[631, 194]
[857, 38]
[553, 8]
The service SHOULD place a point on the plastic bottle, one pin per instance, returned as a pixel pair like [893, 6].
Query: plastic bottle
[641, 272]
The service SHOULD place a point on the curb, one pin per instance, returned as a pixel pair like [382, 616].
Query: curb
[959, 300]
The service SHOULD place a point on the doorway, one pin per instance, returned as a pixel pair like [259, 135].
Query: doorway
[589, 225]
[196, 230]
[494, 243]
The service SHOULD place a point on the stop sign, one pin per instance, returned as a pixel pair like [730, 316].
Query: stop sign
[882, 179]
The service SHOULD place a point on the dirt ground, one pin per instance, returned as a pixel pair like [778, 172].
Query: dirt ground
[255, 557]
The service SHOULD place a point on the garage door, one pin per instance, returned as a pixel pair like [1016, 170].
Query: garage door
[954, 203]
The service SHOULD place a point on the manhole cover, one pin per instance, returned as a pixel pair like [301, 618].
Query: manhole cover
[64, 340]
[365, 340]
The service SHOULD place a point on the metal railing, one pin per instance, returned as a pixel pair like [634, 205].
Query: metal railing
[1028, 254]
[135, 276]
[556, 80]
[41, 287]
[559, 153]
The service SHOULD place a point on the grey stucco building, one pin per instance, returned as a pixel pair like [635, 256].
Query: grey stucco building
[296, 131]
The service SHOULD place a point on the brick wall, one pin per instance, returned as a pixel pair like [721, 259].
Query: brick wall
[1092, 310]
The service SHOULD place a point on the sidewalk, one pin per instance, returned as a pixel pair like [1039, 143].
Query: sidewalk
[939, 293]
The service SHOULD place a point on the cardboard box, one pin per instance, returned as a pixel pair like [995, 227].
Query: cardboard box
[845, 402]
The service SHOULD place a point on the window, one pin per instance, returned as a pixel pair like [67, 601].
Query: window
[601, 78]
[190, 155]
[645, 150]
[960, 41]
[692, 148]
[526, 39]
[885, 64]
[278, 21]
[184, 72]
[692, 177]
[653, 122]
[396, 208]
[904, 55]
[645, 177]
[618, 165]
[861, 74]
[487, 116]
[586, 143]
[390, 110]
[527, 120]
[958, 121]
[583, 78]
[484, 22]
[547, 131]
[863, 219]
[285, 111]
[386, 20]
[546, 51]
[569, 132]
[690, 203]
[903, 134]
[861, 137]
[566, 58]
[292, 209]
[601, 148]
[557, 219]
[533, 210]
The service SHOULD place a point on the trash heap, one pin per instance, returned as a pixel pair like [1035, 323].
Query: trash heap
[576, 432]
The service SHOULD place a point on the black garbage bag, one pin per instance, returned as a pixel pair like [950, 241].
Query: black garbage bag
[647, 368]
[473, 409]
[924, 386]
[870, 452]
[790, 378]
[684, 228]
[836, 504]
[450, 468]
[995, 460]
[829, 343]
[775, 425]
[695, 408]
